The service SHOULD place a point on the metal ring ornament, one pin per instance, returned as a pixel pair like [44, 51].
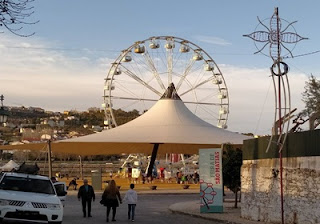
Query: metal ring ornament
[285, 68]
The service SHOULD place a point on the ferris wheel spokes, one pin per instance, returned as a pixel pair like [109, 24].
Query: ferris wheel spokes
[185, 73]
[198, 85]
[135, 77]
[154, 70]
[169, 46]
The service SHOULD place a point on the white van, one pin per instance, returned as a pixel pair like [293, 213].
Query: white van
[29, 198]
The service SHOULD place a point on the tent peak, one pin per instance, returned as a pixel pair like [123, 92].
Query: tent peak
[171, 93]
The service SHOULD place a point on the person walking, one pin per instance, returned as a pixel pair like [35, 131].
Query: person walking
[86, 193]
[110, 198]
[131, 197]
[73, 183]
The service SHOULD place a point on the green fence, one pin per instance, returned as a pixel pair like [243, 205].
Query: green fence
[300, 144]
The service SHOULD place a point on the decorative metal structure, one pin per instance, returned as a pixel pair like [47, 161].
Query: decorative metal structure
[277, 38]
[142, 73]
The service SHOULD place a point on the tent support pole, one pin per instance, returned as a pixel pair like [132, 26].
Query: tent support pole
[81, 168]
[153, 159]
[49, 159]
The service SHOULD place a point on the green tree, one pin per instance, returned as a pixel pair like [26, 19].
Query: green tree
[231, 167]
[311, 96]
[92, 117]
[123, 117]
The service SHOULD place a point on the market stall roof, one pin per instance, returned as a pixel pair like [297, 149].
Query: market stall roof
[169, 123]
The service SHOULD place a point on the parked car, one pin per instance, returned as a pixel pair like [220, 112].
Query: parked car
[29, 198]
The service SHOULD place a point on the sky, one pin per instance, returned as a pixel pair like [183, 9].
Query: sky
[64, 64]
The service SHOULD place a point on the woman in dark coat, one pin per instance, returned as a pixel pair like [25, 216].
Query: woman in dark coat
[110, 197]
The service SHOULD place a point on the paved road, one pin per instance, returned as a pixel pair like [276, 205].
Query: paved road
[150, 209]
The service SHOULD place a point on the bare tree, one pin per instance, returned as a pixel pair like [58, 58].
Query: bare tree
[14, 14]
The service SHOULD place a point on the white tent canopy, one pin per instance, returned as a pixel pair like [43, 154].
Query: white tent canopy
[9, 166]
[169, 123]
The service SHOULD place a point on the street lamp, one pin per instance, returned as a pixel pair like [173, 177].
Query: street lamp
[3, 112]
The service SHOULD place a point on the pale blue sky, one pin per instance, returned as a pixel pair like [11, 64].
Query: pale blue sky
[114, 25]
[63, 65]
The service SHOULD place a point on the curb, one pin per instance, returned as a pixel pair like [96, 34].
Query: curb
[203, 217]
[229, 216]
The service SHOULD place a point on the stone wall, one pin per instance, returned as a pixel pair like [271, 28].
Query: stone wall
[260, 190]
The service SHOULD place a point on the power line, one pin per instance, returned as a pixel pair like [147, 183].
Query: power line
[300, 55]
[292, 65]
[262, 109]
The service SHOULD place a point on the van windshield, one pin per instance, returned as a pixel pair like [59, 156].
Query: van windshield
[27, 184]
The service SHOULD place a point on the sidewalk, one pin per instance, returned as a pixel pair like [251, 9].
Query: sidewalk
[230, 215]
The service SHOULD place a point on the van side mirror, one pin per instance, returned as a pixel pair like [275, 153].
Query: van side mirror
[63, 193]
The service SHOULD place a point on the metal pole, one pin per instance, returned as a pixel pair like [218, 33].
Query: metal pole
[280, 119]
[49, 158]
[183, 162]
[280, 151]
[81, 168]
[153, 159]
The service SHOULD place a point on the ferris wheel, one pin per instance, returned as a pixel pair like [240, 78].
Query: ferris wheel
[142, 72]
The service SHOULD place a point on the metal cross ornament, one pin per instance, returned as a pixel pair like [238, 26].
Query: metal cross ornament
[275, 36]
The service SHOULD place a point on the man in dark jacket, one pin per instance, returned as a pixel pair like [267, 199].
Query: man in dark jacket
[86, 193]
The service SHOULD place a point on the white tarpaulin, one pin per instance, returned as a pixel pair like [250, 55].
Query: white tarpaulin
[9, 166]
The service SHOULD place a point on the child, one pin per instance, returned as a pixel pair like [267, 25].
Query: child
[131, 197]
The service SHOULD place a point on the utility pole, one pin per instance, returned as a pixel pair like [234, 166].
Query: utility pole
[49, 158]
